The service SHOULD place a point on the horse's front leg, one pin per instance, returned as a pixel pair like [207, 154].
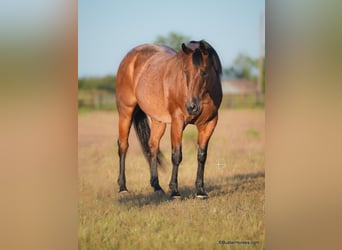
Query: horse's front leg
[204, 134]
[177, 127]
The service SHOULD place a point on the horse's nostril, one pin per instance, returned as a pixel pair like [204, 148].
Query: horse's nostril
[192, 107]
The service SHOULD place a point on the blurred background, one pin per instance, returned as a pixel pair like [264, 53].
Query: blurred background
[108, 30]
[44, 53]
[235, 175]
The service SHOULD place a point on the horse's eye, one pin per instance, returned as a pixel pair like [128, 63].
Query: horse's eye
[204, 73]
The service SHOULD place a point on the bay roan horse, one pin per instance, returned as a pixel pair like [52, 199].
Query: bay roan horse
[156, 85]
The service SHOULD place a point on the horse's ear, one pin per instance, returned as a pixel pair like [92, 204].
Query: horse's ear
[203, 47]
[186, 49]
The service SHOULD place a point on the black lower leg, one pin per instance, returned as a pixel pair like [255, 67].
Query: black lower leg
[122, 176]
[201, 158]
[154, 174]
[176, 159]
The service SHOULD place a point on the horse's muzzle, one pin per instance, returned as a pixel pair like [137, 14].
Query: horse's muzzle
[193, 107]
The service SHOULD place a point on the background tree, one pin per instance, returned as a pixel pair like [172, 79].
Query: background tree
[232, 73]
[246, 67]
[97, 83]
[263, 77]
[173, 40]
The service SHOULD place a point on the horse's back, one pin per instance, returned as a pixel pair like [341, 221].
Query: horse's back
[133, 67]
[139, 55]
[136, 59]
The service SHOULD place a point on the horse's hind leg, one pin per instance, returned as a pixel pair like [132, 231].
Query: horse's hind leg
[125, 122]
[157, 131]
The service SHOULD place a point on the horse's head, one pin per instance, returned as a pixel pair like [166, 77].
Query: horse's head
[202, 67]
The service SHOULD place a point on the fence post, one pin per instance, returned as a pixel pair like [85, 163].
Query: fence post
[100, 100]
[93, 99]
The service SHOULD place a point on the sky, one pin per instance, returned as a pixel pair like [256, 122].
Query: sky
[108, 29]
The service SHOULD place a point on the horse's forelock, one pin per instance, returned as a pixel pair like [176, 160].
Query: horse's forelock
[212, 54]
[197, 58]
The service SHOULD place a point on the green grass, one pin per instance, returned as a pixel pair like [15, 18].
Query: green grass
[238, 101]
[143, 219]
[88, 109]
[252, 133]
[149, 221]
[190, 135]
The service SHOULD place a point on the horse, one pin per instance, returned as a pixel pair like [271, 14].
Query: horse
[155, 86]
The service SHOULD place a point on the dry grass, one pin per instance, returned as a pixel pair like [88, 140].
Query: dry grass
[234, 179]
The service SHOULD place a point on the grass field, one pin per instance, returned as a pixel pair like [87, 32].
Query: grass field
[234, 180]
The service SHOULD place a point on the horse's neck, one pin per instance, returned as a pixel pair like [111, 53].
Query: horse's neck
[175, 67]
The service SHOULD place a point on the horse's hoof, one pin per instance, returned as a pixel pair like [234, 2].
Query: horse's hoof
[123, 191]
[176, 196]
[202, 196]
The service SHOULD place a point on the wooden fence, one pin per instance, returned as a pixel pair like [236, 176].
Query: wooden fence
[98, 99]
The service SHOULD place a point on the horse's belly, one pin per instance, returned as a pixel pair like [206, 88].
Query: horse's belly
[162, 118]
[155, 111]
[155, 108]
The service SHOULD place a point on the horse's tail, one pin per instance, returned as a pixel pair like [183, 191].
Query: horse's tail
[143, 131]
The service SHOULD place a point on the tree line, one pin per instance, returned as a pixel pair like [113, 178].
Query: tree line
[244, 67]
[98, 83]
